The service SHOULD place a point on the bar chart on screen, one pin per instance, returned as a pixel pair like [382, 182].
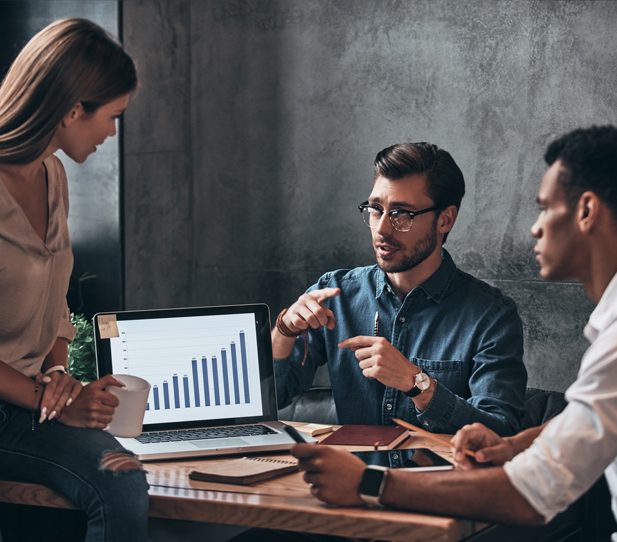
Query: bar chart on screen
[201, 367]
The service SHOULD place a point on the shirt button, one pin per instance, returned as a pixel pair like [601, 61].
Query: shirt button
[402, 319]
[388, 406]
[425, 424]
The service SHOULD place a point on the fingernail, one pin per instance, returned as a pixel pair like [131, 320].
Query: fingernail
[46, 380]
[68, 403]
[52, 415]
[43, 415]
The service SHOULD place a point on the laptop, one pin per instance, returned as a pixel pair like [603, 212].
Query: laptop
[211, 374]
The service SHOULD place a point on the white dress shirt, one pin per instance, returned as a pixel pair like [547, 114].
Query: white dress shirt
[581, 442]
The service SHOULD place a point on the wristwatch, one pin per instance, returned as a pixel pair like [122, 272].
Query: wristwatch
[422, 382]
[372, 484]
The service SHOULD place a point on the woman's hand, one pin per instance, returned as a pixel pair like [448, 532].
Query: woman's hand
[94, 406]
[59, 391]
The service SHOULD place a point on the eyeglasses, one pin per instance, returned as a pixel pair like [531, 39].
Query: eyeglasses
[401, 219]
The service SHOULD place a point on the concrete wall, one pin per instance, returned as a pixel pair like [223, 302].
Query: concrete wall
[252, 140]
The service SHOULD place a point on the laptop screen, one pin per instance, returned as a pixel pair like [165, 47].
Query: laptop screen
[206, 365]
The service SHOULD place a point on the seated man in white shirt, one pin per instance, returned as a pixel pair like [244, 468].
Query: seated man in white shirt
[532, 476]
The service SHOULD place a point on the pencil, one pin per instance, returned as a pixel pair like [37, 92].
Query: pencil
[428, 434]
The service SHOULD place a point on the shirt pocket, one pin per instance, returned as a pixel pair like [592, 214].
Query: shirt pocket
[448, 372]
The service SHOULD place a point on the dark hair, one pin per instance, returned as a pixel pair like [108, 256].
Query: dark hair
[68, 62]
[588, 157]
[446, 185]
[445, 181]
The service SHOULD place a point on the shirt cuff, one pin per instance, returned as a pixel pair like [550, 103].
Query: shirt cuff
[439, 411]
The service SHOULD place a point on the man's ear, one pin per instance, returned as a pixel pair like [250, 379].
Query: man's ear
[446, 219]
[76, 112]
[587, 211]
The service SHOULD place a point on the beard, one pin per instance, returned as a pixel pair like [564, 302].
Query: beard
[412, 258]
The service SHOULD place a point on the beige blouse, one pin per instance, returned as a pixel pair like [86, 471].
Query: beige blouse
[34, 277]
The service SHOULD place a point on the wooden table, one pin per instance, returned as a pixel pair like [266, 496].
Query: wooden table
[282, 503]
[285, 503]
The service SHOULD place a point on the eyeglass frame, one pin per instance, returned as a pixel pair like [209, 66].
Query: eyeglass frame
[412, 214]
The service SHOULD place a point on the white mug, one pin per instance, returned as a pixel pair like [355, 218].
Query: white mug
[128, 417]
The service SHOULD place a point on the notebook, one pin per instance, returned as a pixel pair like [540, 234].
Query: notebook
[244, 471]
[211, 374]
[378, 436]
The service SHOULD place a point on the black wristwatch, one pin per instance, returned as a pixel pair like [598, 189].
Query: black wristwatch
[421, 382]
[372, 484]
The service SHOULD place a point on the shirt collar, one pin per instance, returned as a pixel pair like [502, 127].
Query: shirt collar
[605, 312]
[434, 287]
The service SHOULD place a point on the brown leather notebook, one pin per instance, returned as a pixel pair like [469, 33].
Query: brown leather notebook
[384, 436]
[244, 471]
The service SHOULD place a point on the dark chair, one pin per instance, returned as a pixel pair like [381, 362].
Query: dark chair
[315, 404]
[541, 406]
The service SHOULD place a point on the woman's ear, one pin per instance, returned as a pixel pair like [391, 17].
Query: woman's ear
[76, 112]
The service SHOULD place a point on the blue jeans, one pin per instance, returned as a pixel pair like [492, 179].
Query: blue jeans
[67, 460]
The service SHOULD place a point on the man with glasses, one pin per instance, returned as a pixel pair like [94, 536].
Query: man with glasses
[412, 337]
[530, 477]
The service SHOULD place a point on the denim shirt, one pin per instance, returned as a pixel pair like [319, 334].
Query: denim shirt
[464, 333]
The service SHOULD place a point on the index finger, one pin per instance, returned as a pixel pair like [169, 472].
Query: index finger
[304, 450]
[325, 293]
[359, 341]
[105, 381]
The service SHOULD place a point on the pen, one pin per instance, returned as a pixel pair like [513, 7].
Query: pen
[428, 434]
[376, 325]
[294, 433]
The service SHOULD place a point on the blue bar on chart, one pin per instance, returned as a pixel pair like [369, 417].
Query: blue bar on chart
[195, 382]
[176, 391]
[185, 382]
[225, 376]
[155, 394]
[166, 393]
[204, 368]
[234, 369]
[215, 381]
[245, 369]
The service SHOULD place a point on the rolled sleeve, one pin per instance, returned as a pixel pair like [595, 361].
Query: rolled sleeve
[569, 455]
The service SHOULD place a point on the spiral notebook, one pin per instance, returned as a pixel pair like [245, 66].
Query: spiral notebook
[244, 471]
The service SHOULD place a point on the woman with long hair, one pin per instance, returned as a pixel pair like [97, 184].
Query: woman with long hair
[64, 91]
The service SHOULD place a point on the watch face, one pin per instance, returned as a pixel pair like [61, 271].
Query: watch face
[371, 481]
[423, 381]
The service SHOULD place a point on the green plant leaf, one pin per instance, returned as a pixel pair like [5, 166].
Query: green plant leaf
[82, 361]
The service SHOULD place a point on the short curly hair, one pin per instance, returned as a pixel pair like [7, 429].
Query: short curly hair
[588, 157]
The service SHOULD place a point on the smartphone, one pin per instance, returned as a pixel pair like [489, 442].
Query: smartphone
[417, 459]
[296, 435]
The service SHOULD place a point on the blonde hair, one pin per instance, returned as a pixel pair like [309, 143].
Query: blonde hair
[70, 61]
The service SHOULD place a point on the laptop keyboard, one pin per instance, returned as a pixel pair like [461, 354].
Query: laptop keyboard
[205, 433]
